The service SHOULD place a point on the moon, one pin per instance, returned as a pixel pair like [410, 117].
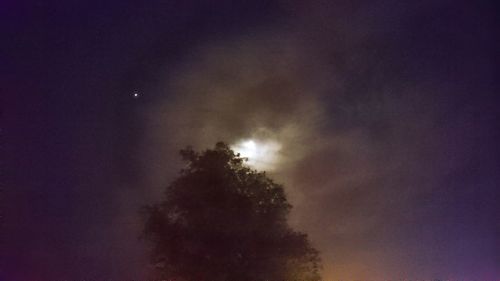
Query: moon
[262, 155]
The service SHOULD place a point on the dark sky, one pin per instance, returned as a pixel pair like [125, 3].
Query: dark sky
[385, 111]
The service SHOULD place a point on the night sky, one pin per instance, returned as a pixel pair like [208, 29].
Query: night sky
[379, 117]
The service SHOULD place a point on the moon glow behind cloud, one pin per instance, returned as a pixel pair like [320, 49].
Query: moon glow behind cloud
[261, 154]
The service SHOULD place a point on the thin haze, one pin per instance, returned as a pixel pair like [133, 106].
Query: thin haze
[384, 113]
[364, 147]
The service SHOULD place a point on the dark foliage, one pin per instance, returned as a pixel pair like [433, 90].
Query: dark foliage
[220, 220]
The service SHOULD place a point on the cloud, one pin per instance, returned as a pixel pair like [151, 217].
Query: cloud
[363, 141]
[232, 91]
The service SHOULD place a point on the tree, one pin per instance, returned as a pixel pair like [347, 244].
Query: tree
[220, 220]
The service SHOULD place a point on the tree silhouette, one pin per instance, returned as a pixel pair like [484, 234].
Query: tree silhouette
[220, 220]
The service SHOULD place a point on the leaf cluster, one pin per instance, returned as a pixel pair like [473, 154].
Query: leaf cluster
[221, 220]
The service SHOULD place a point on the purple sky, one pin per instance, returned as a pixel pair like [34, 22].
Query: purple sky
[386, 112]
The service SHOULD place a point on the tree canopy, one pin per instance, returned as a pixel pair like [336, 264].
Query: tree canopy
[220, 220]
